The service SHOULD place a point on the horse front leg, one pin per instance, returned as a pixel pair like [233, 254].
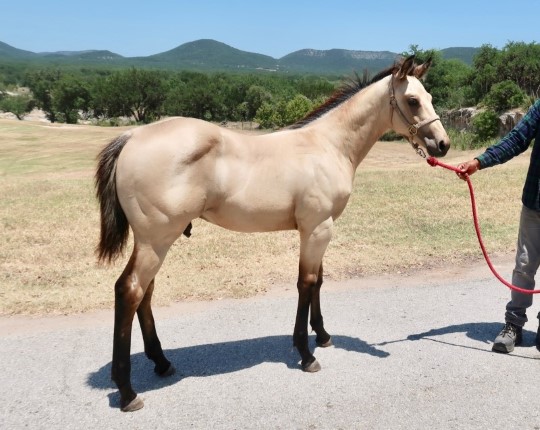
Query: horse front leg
[323, 339]
[300, 336]
[312, 247]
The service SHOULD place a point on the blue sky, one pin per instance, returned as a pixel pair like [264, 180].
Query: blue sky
[272, 27]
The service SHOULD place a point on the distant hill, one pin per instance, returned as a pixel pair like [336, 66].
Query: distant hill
[211, 55]
[8, 52]
[464, 54]
[336, 60]
[80, 55]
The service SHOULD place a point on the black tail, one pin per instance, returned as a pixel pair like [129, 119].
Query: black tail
[114, 224]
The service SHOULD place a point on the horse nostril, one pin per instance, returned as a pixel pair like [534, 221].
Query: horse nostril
[442, 146]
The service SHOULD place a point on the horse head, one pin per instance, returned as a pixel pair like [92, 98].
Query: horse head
[416, 119]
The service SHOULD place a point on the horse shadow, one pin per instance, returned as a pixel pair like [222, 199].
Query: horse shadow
[219, 358]
[228, 357]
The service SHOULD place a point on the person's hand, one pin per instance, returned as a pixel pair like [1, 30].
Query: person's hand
[468, 168]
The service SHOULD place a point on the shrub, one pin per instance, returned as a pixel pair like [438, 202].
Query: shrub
[297, 108]
[485, 125]
[269, 116]
[504, 95]
[463, 140]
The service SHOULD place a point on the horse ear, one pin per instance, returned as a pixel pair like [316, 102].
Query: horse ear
[421, 70]
[406, 68]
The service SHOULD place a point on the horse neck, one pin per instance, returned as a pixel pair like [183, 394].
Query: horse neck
[357, 124]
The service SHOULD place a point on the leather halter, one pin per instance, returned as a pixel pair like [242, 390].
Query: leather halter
[413, 127]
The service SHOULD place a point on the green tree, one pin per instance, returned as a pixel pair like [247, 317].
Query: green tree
[485, 64]
[314, 87]
[520, 63]
[446, 79]
[69, 96]
[242, 111]
[18, 105]
[270, 115]
[446, 82]
[41, 84]
[256, 95]
[193, 95]
[134, 93]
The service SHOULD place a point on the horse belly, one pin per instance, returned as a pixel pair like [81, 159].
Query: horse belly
[251, 217]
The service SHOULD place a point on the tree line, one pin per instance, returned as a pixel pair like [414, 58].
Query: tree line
[498, 79]
[147, 95]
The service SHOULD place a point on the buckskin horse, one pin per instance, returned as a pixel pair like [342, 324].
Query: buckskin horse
[159, 177]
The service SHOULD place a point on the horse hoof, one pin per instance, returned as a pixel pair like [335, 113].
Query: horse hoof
[170, 371]
[312, 367]
[136, 404]
[325, 344]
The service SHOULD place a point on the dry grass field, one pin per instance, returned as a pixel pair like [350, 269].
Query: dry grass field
[403, 215]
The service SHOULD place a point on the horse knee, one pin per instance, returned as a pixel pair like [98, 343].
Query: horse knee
[307, 281]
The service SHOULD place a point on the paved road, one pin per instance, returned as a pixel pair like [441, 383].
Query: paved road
[410, 352]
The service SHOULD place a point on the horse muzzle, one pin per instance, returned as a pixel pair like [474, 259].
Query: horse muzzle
[437, 147]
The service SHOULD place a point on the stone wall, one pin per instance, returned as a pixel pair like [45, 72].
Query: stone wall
[461, 119]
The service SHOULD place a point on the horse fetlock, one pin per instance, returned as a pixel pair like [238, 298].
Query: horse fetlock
[129, 401]
[317, 324]
[165, 371]
[324, 342]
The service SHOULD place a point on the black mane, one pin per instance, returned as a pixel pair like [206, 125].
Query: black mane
[349, 88]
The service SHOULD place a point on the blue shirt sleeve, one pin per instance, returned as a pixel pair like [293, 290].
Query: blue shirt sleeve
[515, 142]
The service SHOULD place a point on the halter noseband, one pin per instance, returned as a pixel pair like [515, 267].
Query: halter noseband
[413, 127]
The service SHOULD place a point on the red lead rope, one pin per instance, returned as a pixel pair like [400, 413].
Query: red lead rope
[434, 162]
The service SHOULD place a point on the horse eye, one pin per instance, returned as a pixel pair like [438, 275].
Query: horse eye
[413, 102]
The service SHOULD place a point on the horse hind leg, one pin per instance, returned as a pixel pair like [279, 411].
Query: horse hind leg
[130, 292]
[152, 345]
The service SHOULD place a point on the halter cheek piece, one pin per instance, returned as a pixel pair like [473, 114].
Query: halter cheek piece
[413, 127]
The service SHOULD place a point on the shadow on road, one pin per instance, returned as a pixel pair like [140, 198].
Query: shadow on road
[220, 358]
[226, 357]
[481, 332]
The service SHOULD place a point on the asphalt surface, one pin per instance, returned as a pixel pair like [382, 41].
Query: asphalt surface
[411, 352]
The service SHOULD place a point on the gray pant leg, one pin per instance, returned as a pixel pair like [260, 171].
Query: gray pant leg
[527, 262]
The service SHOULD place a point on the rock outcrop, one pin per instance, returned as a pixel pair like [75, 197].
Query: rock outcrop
[461, 119]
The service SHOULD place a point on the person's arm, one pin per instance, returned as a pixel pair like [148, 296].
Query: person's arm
[515, 142]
